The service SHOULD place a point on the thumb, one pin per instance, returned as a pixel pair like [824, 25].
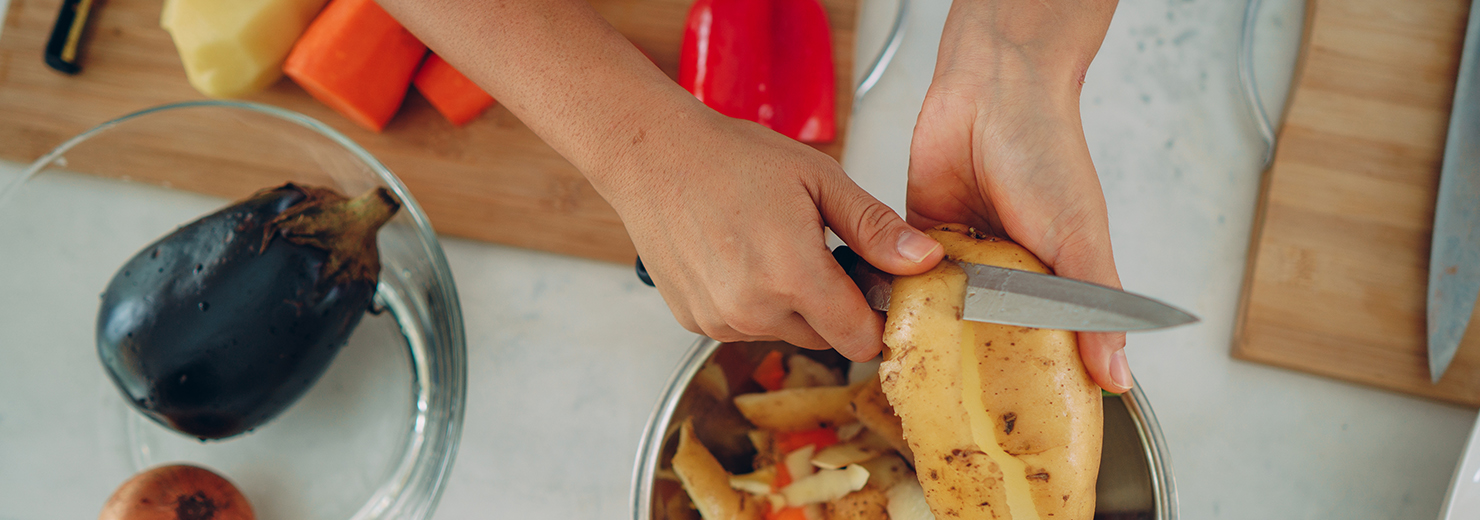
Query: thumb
[1088, 257]
[875, 231]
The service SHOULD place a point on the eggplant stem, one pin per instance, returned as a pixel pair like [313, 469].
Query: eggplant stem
[345, 228]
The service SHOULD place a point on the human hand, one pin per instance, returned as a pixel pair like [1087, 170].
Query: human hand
[999, 145]
[729, 222]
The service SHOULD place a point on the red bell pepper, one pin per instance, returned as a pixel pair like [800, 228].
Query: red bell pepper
[453, 95]
[768, 61]
[726, 56]
[802, 71]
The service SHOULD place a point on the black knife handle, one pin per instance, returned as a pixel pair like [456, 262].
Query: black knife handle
[65, 42]
[848, 259]
[868, 278]
[642, 273]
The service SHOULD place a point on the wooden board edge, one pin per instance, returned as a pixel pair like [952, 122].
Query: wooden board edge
[845, 104]
[1261, 205]
[1264, 358]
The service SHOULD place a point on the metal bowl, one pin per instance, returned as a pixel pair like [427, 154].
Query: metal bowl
[1135, 481]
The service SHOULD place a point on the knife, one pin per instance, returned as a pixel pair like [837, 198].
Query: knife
[1028, 299]
[1454, 257]
[1023, 298]
[61, 51]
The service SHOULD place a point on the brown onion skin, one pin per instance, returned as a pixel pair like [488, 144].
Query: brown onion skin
[177, 492]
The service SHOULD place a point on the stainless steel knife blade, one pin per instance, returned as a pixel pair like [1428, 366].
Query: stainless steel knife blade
[1013, 297]
[1454, 258]
[1028, 299]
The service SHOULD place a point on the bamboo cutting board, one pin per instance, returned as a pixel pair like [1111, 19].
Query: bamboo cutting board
[1338, 272]
[491, 180]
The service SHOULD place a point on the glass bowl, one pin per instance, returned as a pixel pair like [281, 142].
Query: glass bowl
[1135, 480]
[375, 435]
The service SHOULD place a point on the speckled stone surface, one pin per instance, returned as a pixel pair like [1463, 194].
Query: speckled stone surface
[567, 357]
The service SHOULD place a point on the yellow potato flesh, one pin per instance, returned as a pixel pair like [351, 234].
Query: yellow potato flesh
[235, 48]
[1004, 422]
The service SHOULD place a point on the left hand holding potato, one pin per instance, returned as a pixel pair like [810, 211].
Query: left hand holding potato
[999, 145]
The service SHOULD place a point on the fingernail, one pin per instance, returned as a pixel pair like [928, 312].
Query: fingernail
[1120, 370]
[915, 246]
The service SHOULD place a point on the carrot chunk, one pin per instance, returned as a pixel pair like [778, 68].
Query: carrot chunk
[769, 373]
[357, 60]
[453, 95]
[786, 442]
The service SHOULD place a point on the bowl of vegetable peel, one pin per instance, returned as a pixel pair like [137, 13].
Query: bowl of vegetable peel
[288, 324]
[769, 430]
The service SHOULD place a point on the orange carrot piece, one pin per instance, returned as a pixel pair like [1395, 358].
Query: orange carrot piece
[453, 95]
[787, 442]
[787, 513]
[783, 478]
[358, 60]
[770, 373]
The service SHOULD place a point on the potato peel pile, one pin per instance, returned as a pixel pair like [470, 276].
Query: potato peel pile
[823, 450]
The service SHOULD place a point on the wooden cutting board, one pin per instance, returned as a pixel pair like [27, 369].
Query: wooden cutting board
[1338, 271]
[491, 180]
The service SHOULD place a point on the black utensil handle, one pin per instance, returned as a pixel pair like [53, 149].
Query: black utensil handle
[66, 35]
[642, 273]
[849, 260]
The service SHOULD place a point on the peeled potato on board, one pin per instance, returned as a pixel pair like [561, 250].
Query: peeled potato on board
[235, 48]
[1004, 421]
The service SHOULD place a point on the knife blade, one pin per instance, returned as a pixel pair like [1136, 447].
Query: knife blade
[1454, 256]
[1022, 298]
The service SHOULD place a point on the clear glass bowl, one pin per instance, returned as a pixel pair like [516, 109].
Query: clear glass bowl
[373, 438]
[1135, 480]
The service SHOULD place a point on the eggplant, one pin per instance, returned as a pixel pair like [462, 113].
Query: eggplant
[219, 326]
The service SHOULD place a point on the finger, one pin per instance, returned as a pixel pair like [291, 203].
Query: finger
[795, 330]
[847, 323]
[1104, 357]
[1086, 255]
[873, 229]
[792, 329]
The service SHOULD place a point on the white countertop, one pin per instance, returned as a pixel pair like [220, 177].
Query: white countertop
[567, 356]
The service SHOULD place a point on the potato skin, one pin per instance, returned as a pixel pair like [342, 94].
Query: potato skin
[1043, 407]
[707, 483]
[795, 409]
[869, 503]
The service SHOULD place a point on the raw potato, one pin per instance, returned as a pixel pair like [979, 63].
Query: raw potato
[235, 48]
[1004, 421]
[707, 483]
